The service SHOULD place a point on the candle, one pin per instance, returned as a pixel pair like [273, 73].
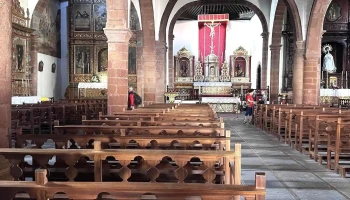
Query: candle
[321, 75]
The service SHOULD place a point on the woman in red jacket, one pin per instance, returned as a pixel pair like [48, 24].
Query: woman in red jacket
[131, 99]
[250, 102]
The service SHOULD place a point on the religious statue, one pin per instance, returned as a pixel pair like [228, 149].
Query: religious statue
[212, 33]
[239, 71]
[83, 64]
[331, 12]
[19, 56]
[212, 71]
[328, 61]
[183, 69]
[95, 79]
[41, 66]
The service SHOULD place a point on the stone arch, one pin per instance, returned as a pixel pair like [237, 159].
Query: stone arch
[248, 4]
[151, 71]
[311, 84]
[296, 21]
[275, 48]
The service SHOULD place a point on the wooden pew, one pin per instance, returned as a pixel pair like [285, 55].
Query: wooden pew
[150, 167]
[124, 142]
[135, 130]
[153, 123]
[42, 189]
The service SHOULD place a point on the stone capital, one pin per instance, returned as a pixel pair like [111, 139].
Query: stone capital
[275, 47]
[118, 35]
[300, 45]
[312, 57]
[265, 35]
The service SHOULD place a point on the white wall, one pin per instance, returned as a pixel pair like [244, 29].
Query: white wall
[186, 35]
[304, 7]
[47, 84]
[246, 33]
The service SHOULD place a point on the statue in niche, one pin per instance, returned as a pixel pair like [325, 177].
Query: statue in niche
[328, 61]
[82, 64]
[239, 71]
[184, 69]
[212, 71]
[103, 60]
[19, 57]
[95, 79]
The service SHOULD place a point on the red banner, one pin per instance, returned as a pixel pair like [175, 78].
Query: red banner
[212, 36]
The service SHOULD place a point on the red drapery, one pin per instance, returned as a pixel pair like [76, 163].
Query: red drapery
[219, 39]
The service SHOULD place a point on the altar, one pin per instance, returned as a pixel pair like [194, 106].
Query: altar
[92, 90]
[19, 100]
[223, 104]
[332, 95]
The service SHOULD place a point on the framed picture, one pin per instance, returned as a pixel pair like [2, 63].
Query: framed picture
[41, 66]
[53, 68]
[82, 17]
[100, 17]
[82, 59]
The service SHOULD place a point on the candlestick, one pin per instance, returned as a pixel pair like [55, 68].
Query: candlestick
[327, 80]
[346, 78]
[342, 79]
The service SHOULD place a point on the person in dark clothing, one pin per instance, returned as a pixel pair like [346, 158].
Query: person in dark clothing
[134, 100]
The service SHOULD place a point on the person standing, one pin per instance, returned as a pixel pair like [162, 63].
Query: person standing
[250, 103]
[134, 100]
[131, 99]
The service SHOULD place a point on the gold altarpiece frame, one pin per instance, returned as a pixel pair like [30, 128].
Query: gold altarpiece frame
[21, 47]
[240, 62]
[183, 68]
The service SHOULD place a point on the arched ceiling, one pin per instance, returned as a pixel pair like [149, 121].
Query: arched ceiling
[236, 12]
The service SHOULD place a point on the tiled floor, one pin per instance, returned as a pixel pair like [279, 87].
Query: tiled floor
[290, 175]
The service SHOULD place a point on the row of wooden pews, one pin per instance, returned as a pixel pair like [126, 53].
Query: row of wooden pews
[167, 151]
[321, 132]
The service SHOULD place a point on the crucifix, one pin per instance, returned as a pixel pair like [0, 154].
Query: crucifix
[212, 26]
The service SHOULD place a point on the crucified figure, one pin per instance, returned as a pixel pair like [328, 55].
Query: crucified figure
[212, 27]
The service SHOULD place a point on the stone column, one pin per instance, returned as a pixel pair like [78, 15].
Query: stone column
[274, 71]
[5, 75]
[311, 84]
[298, 73]
[139, 67]
[149, 59]
[171, 61]
[34, 63]
[265, 36]
[160, 71]
[118, 35]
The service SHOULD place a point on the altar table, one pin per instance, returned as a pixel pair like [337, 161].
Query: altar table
[91, 90]
[332, 95]
[17, 100]
[223, 104]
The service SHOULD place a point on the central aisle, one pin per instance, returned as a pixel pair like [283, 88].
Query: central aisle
[290, 175]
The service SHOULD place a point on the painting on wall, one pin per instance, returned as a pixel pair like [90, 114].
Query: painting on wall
[53, 68]
[47, 23]
[82, 55]
[100, 16]
[103, 60]
[132, 60]
[82, 17]
[333, 12]
[41, 66]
